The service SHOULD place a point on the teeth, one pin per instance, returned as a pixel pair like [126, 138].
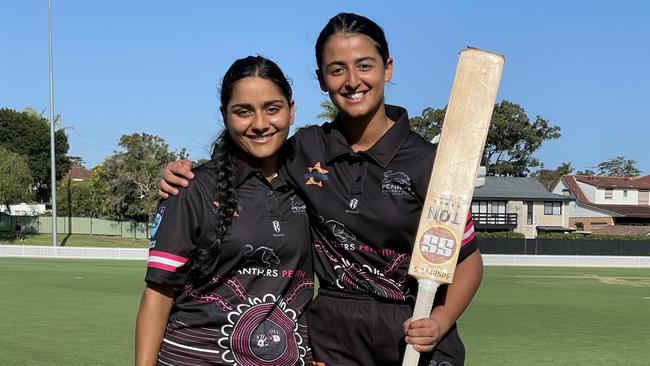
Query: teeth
[356, 96]
[262, 137]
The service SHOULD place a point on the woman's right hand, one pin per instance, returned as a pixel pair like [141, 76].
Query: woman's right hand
[173, 176]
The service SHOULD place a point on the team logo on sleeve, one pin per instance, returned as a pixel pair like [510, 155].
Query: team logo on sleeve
[396, 184]
[156, 224]
[316, 175]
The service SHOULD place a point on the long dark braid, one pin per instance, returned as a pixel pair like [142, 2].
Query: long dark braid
[204, 260]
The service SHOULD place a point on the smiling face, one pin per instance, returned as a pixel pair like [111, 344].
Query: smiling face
[257, 117]
[353, 73]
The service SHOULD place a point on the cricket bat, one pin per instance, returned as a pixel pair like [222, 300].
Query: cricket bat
[449, 195]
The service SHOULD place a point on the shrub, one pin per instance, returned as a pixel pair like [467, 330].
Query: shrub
[574, 236]
[499, 235]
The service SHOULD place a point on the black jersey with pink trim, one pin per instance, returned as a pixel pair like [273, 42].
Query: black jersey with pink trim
[365, 205]
[251, 311]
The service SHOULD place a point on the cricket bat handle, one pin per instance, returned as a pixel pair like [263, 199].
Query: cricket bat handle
[426, 294]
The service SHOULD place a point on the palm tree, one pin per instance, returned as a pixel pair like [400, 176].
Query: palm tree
[329, 111]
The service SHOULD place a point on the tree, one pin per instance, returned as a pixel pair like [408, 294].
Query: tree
[16, 178]
[586, 172]
[82, 199]
[618, 167]
[27, 133]
[429, 123]
[512, 139]
[549, 178]
[132, 175]
[329, 111]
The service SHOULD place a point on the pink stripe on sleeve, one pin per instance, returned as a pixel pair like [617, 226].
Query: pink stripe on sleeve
[469, 234]
[157, 253]
[164, 267]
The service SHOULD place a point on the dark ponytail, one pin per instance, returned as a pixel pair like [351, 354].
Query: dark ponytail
[224, 154]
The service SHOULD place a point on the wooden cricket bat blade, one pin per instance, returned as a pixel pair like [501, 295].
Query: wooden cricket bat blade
[449, 194]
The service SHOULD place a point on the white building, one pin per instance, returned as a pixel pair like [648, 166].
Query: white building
[605, 201]
[24, 209]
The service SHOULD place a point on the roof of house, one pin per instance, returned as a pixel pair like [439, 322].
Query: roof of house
[614, 182]
[645, 179]
[622, 230]
[626, 210]
[77, 172]
[516, 188]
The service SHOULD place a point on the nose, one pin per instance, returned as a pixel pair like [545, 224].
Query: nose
[352, 80]
[260, 124]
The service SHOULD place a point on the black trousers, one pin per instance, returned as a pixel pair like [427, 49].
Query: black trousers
[356, 329]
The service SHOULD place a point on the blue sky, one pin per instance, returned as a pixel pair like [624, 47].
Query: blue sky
[154, 66]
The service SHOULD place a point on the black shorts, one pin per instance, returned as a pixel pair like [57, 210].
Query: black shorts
[355, 329]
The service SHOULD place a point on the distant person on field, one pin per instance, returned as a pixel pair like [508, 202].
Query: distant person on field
[19, 230]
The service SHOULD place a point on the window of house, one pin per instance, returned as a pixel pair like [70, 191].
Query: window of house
[552, 208]
[625, 193]
[580, 226]
[498, 207]
[529, 213]
[609, 192]
[643, 196]
[497, 211]
[480, 207]
[597, 225]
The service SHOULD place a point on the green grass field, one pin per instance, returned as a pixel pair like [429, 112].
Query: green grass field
[75, 240]
[78, 312]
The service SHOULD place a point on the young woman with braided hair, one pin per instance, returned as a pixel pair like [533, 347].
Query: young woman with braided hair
[230, 267]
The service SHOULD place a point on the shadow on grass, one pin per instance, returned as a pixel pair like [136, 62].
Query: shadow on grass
[7, 237]
[65, 240]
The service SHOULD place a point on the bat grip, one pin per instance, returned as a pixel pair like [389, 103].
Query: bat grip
[423, 304]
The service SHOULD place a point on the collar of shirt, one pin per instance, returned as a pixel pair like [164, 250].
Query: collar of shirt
[383, 150]
[245, 171]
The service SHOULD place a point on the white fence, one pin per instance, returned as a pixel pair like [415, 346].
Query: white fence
[565, 260]
[29, 251]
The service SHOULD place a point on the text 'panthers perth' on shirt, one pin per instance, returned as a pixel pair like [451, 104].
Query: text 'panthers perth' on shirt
[366, 205]
[250, 311]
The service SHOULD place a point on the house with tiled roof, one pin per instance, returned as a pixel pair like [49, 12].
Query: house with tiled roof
[77, 173]
[644, 179]
[520, 204]
[606, 201]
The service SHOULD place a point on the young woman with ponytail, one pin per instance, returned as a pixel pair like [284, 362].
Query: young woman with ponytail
[230, 268]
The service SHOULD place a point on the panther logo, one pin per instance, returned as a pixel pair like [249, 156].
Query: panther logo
[396, 184]
[297, 205]
[339, 231]
[262, 256]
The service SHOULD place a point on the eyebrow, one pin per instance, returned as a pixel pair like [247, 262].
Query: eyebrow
[360, 59]
[250, 106]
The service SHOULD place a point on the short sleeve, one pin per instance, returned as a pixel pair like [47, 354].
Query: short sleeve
[468, 244]
[173, 236]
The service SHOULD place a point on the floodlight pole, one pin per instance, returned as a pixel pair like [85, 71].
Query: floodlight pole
[52, 149]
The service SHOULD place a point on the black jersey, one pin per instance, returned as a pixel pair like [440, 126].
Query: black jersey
[366, 205]
[250, 311]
